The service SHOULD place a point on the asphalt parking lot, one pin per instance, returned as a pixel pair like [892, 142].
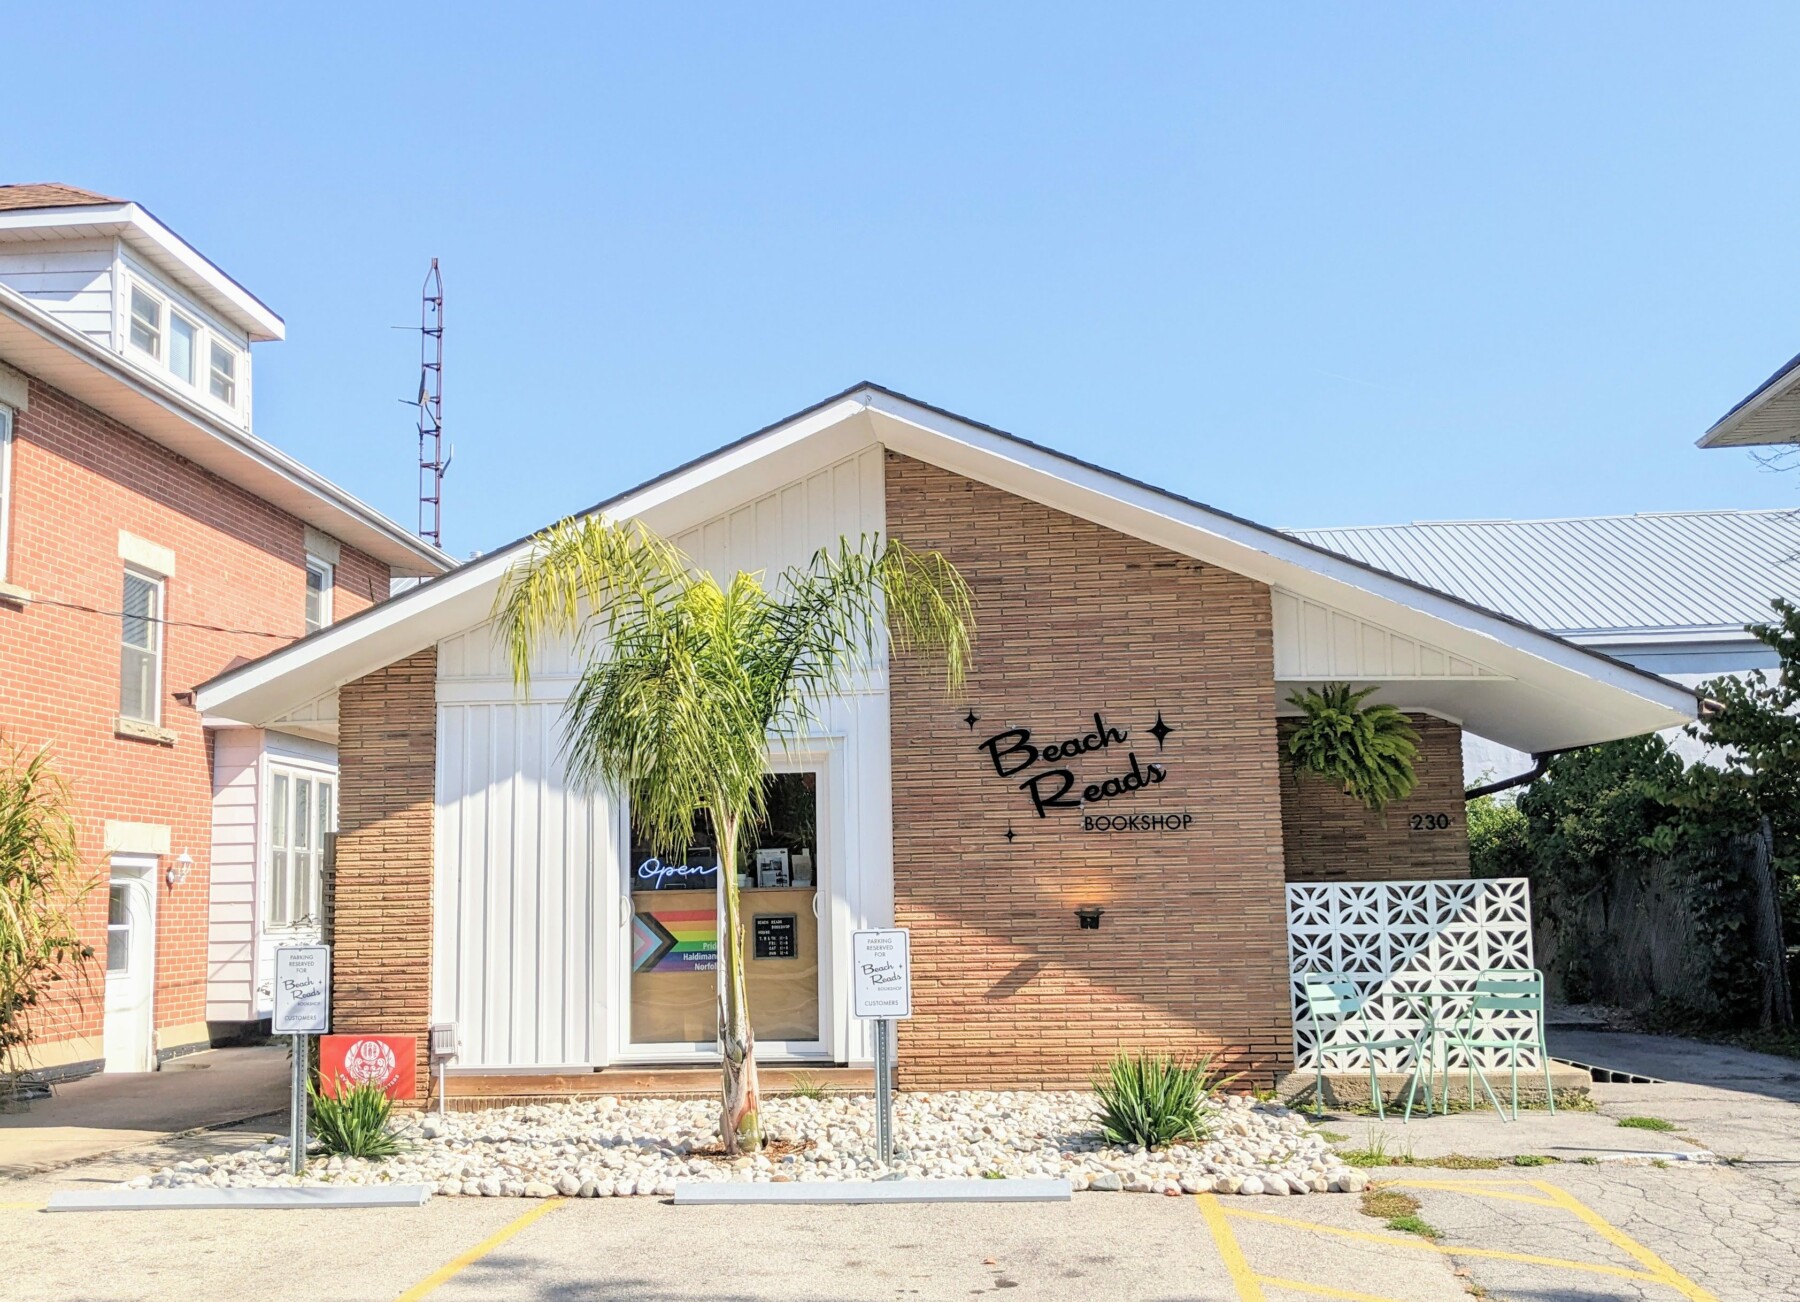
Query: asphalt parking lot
[1564, 1230]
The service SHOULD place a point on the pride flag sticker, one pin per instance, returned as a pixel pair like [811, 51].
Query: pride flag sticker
[674, 940]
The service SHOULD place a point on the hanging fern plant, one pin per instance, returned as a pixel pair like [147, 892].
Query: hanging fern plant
[1370, 749]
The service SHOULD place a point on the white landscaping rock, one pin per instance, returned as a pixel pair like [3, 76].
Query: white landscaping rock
[629, 1147]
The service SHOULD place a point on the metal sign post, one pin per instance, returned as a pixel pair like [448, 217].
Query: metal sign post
[302, 1010]
[881, 991]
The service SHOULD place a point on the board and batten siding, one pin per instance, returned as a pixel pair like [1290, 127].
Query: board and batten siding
[529, 952]
[72, 281]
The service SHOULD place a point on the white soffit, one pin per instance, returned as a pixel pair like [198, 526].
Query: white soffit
[1562, 695]
[1314, 642]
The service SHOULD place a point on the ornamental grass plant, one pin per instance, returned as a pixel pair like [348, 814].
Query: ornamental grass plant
[356, 1123]
[1154, 1100]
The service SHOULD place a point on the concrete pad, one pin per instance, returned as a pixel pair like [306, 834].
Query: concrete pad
[863, 1192]
[1351, 1088]
[111, 1112]
[162, 1200]
[1567, 1136]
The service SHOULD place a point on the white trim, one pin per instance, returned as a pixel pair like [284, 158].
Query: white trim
[1614, 699]
[6, 489]
[142, 554]
[327, 573]
[137, 226]
[158, 648]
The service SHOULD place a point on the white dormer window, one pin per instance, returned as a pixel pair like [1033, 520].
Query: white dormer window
[146, 322]
[223, 383]
[184, 345]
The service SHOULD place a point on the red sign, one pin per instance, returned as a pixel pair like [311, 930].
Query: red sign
[385, 1060]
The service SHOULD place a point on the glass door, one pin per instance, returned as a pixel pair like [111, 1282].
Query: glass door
[673, 949]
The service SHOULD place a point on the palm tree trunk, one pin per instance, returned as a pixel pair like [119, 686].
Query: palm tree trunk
[740, 1122]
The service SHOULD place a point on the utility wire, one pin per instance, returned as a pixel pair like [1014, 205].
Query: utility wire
[153, 619]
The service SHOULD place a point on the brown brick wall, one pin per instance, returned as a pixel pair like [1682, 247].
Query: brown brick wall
[1330, 837]
[78, 478]
[381, 886]
[1190, 955]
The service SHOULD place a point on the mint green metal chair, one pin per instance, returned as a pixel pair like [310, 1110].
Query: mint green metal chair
[1335, 1007]
[1505, 1016]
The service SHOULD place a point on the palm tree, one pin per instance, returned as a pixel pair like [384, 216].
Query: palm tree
[687, 683]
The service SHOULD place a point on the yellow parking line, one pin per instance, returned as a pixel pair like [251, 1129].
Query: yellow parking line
[451, 1269]
[1421, 1245]
[1623, 1241]
[21, 1207]
[1294, 1285]
[1249, 1290]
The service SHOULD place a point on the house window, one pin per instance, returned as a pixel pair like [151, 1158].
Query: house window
[5, 481]
[140, 651]
[118, 930]
[146, 322]
[302, 812]
[318, 594]
[184, 341]
[224, 374]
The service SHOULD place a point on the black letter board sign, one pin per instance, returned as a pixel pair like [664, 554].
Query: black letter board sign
[776, 935]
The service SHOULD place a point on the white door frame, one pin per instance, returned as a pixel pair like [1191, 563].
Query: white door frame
[820, 753]
[138, 873]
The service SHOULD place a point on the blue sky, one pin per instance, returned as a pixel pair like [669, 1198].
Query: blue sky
[1316, 264]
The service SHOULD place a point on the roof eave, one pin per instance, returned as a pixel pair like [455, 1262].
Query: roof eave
[1258, 547]
[150, 235]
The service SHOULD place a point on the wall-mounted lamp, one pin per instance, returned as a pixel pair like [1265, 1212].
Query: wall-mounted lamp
[179, 870]
[1089, 915]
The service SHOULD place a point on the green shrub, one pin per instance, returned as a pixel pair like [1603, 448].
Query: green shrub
[355, 1123]
[1154, 1100]
[1367, 749]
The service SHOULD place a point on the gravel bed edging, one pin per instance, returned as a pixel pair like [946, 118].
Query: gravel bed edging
[621, 1147]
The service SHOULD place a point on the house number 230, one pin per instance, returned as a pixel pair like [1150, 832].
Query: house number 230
[1430, 822]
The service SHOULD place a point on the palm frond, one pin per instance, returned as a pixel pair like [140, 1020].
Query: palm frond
[579, 574]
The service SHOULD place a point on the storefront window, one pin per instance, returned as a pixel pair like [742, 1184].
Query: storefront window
[674, 934]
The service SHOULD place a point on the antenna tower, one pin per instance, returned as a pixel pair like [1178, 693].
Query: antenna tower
[432, 461]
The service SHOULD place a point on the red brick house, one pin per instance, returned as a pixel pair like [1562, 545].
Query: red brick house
[1118, 748]
[149, 539]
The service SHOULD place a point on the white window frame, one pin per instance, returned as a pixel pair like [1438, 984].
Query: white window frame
[328, 576]
[202, 337]
[6, 494]
[133, 288]
[283, 794]
[215, 344]
[160, 586]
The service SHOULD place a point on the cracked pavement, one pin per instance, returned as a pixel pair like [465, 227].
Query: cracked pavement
[1568, 1232]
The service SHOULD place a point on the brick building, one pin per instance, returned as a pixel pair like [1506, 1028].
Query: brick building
[149, 540]
[1118, 747]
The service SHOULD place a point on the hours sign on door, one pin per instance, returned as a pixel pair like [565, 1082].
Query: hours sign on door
[881, 973]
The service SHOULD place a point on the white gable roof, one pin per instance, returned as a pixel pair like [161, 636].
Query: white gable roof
[1539, 692]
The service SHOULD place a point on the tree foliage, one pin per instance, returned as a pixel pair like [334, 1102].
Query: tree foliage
[42, 885]
[686, 683]
[1632, 807]
[1368, 749]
